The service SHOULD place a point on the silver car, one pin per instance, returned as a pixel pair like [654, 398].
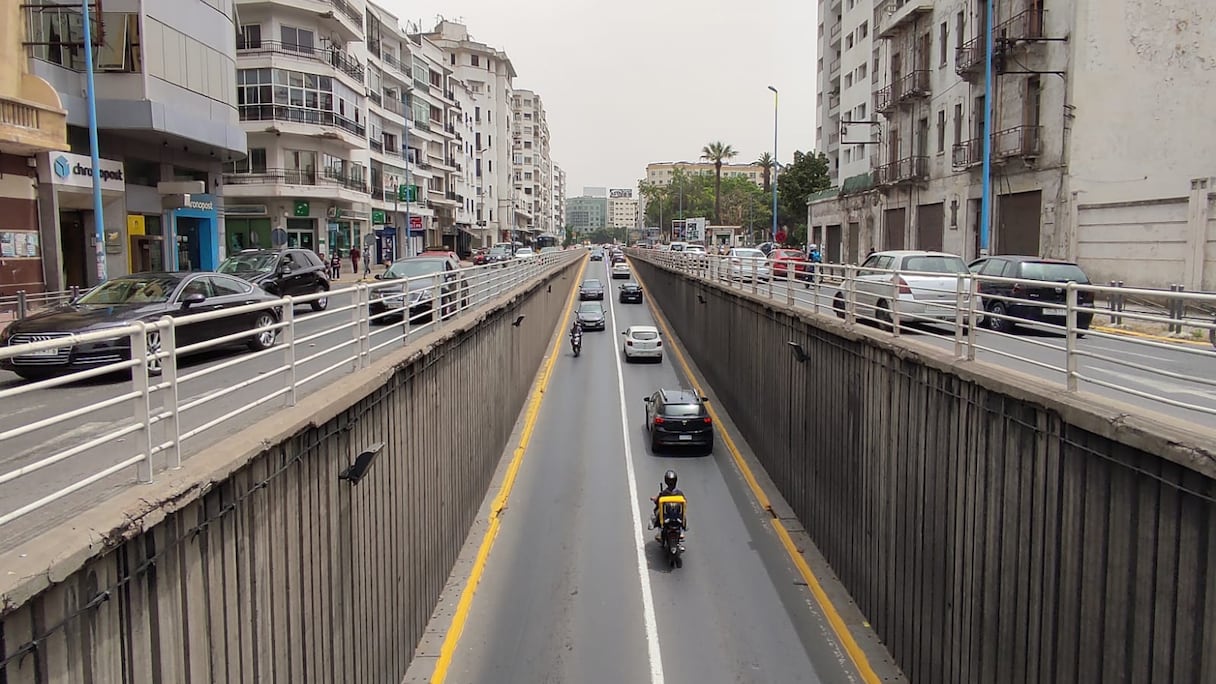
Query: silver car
[919, 285]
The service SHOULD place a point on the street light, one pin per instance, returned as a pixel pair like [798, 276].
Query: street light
[775, 164]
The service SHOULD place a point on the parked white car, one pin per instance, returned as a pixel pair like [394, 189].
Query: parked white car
[525, 253]
[642, 342]
[747, 263]
[922, 285]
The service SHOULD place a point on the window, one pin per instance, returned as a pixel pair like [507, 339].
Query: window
[862, 72]
[249, 37]
[56, 35]
[960, 23]
[296, 39]
[309, 93]
[848, 80]
[474, 59]
[848, 42]
[863, 30]
[941, 131]
[958, 123]
[255, 162]
[922, 142]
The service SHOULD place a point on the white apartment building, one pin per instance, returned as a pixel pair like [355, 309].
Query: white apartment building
[488, 74]
[559, 201]
[622, 209]
[660, 173]
[302, 102]
[531, 161]
[844, 87]
[1116, 178]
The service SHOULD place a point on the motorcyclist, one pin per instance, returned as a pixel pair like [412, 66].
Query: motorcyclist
[668, 488]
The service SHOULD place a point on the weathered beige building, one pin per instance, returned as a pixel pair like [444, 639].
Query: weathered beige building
[1102, 137]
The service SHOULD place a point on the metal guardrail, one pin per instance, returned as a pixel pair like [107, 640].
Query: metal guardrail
[169, 411]
[884, 299]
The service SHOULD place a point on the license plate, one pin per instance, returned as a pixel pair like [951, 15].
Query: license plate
[685, 438]
[1055, 312]
[42, 353]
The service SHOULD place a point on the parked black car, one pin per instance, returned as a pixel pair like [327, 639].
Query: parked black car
[631, 292]
[1027, 301]
[591, 289]
[678, 417]
[432, 281]
[283, 272]
[139, 297]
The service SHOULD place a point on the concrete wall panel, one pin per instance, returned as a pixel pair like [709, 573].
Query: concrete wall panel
[260, 564]
[989, 528]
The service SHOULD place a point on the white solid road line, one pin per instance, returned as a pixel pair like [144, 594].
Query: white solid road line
[639, 537]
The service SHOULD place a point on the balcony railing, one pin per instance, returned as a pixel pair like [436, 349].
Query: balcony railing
[968, 56]
[349, 10]
[334, 58]
[1023, 27]
[18, 115]
[893, 15]
[376, 145]
[912, 85]
[393, 105]
[1023, 142]
[906, 170]
[375, 97]
[327, 177]
[301, 115]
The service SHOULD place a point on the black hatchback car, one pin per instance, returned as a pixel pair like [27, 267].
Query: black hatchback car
[631, 292]
[283, 272]
[591, 289]
[1027, 301]
[678, 417]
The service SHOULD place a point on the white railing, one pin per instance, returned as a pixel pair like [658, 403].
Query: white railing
[1069, 341]
[172, 405]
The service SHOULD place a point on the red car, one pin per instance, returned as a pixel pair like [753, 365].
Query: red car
[785, 259]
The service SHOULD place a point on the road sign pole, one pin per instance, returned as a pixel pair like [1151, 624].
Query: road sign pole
[99, 226]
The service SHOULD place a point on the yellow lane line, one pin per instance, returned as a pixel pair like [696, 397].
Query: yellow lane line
[450, 640]
[1148, 336]
[860, 661]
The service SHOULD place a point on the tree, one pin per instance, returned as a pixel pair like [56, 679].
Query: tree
[718, 152]
[807, 175]
[766, 162]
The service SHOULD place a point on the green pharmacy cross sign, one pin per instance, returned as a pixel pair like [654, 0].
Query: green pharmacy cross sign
[407, 193]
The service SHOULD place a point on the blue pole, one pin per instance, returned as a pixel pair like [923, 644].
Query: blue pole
[775, 164]
[99, 226]
[986, 183]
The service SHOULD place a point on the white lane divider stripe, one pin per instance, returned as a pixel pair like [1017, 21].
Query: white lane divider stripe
[639, 537]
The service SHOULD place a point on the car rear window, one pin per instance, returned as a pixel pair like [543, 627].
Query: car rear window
[790, 254]
[645, 335]
[591, 283]
[682, 410]
[1053, 272]
[935, 264]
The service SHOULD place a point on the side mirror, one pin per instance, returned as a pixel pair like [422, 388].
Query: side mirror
[704, 398]
[285, 269]
[647, 399]
[192, 299]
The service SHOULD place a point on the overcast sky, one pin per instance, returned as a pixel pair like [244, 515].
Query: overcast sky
[628, 82]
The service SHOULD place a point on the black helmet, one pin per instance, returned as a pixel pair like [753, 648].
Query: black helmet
[669, 479]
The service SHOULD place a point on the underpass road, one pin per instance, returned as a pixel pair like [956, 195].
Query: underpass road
[562, 597]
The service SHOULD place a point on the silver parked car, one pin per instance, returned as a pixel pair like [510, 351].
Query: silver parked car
[922, 285]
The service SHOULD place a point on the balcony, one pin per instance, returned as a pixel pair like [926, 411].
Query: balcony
[1019, 142]
[834, 36]
[375, 97]
[969, 56]
[393, 105]
[327, 178]
[337, 59]
[35, 121]
[905, 171]
[302, 115]
[892, 16]
[392, 62]
[908, 87]
[348, 10]
[1023, 27]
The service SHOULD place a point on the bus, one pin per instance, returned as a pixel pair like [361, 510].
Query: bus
[544, 241]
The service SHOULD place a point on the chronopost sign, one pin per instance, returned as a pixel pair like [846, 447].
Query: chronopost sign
[65, 169]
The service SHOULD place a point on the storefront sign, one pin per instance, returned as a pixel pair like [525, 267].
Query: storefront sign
[378, 217]
[301, 208]
[76, 171]
[203, 203]
[416, 223]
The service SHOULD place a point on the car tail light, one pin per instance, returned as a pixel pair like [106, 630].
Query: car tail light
[658, 343]
[658, 420]
[708, 420]
[903, 285]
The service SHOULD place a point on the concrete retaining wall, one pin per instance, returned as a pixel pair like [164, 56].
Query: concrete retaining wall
[255, 562]
[991, 529]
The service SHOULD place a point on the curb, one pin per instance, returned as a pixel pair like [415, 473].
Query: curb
[1148, 336]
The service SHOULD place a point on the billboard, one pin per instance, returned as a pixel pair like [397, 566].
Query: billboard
[694, 229]
[620, 193]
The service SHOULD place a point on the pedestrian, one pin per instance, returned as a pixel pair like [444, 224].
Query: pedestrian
[367, 263]
[354, 260]
[335, 264]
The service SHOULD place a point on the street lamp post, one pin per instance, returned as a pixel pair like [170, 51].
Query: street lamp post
[99, 226]
[986, 183]
[775, 164]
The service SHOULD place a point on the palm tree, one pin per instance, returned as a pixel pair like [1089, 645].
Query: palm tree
[767, 163]
[718, 152]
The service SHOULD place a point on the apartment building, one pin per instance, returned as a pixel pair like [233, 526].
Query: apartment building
[33, 122]
[489, 76]
[559, 201]
[531, 161]
[622, 209]
[166, 111]
[303, 104]
[1114, 177]
[844, 87]
[660, 173]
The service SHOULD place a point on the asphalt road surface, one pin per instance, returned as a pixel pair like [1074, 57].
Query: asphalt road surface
[56, 401]
[561, 599]
[1040, 345]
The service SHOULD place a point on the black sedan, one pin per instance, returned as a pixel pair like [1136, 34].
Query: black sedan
[597, 255]
[283, 272]
[415, 284]
[592, 316]
[631, 292]
[678, 417]
[591, 289]
[139, 297]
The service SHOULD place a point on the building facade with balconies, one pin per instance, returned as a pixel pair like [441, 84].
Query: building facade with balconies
[33, 122]
[302, 100]
[531, 161]
[488, 75]
[844, 85]
[1080, 170]
[166, 112]
[559, 201]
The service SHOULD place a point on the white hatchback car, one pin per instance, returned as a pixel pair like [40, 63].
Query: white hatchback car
[642, 342]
